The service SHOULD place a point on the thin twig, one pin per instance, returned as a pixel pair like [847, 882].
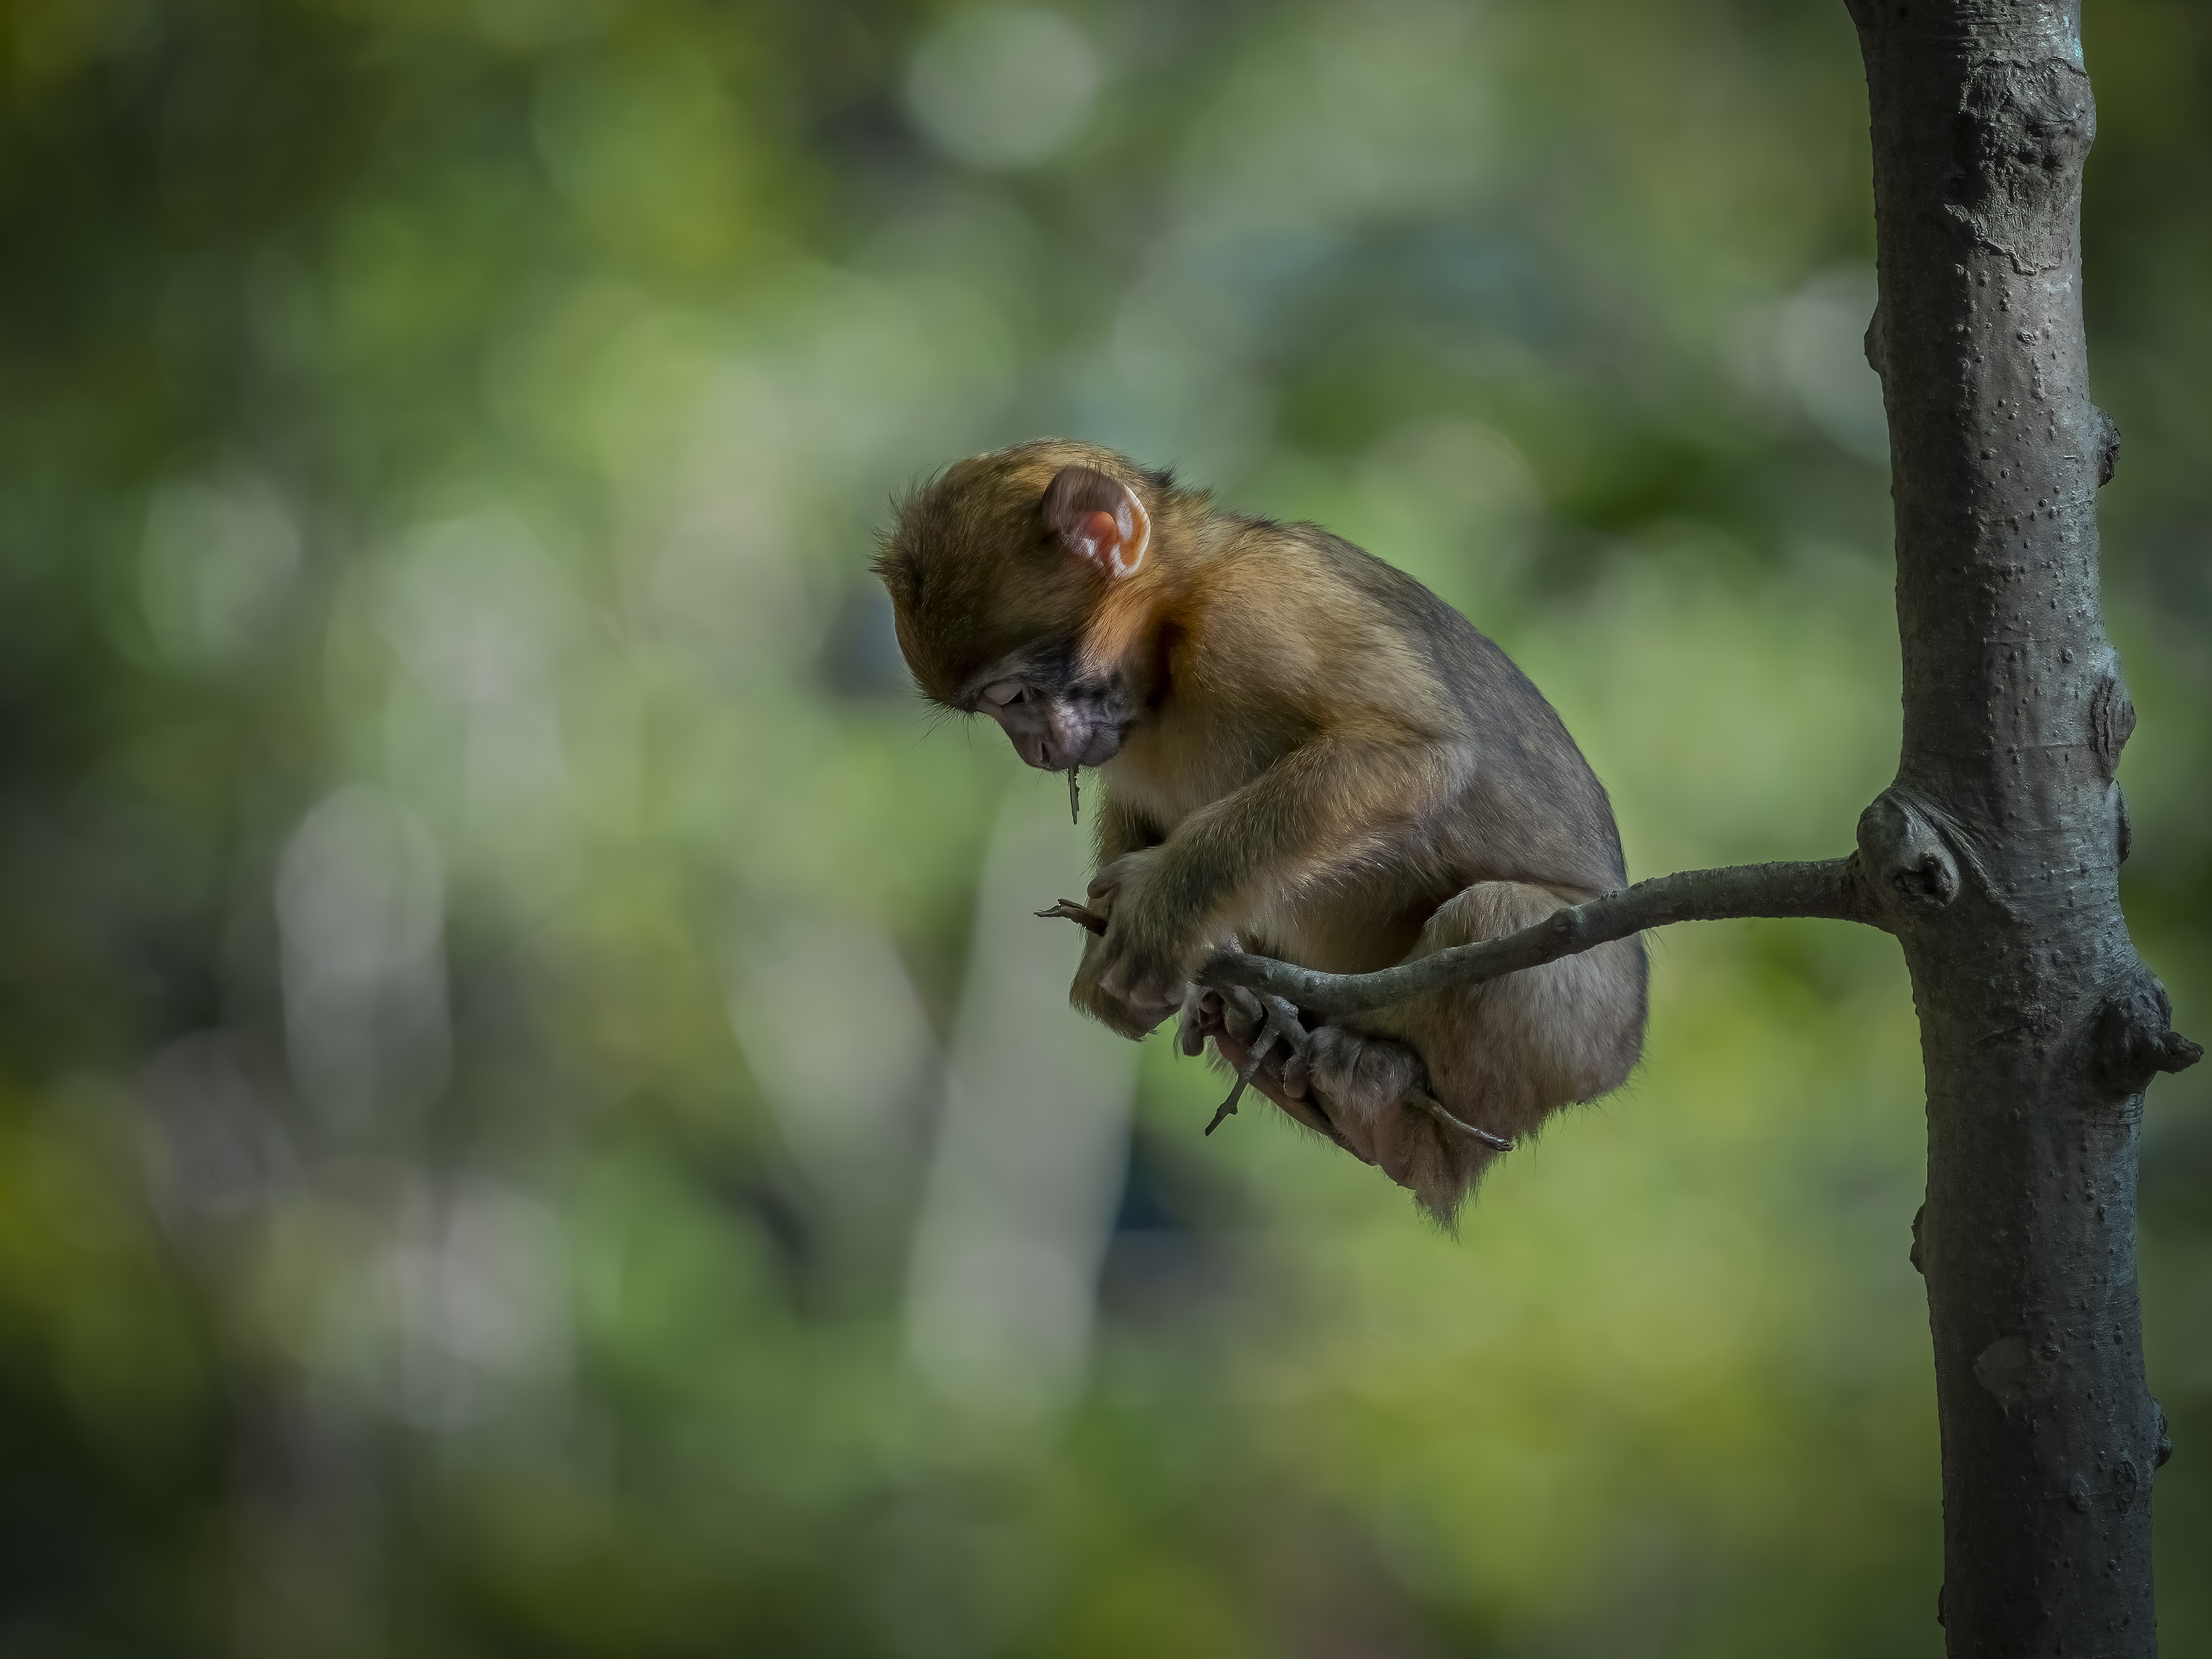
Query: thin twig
[1262, 1047]
[1277, 991]
[1436, 1109]
[1831, 888]
[1284, 1018]
[1074, 912]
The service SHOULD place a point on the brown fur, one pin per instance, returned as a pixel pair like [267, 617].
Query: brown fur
[1318, 760]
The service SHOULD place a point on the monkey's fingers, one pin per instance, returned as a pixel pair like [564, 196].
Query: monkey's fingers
[1201, 1018]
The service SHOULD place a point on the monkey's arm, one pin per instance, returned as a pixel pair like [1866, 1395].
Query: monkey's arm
[1341, 798]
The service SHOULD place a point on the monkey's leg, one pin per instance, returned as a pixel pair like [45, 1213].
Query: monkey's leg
[1499, 1056]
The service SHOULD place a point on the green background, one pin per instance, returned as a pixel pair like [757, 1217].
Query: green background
[533, 1117]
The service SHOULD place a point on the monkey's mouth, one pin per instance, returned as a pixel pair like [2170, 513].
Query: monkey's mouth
[1053, 734]
[1056, 751]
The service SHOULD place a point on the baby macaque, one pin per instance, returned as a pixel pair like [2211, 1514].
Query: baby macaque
[1306, 755]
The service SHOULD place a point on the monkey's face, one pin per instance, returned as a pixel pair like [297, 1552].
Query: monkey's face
[1000, 574]
[1052, 722]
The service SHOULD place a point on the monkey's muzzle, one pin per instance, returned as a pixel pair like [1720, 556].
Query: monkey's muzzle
[1053, 734]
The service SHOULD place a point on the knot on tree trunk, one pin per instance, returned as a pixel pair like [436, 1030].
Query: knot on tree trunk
[2108, 447]
[2136, 1041]
[1905, 857]
[2018, 142]
[2111, 721]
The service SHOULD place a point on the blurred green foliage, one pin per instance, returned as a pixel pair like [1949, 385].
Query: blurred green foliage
[530, 1121]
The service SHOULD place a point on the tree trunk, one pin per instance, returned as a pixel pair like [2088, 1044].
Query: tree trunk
[1997, 852]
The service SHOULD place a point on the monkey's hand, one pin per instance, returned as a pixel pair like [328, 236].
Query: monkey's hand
[1152, 944]
[1115, 1012]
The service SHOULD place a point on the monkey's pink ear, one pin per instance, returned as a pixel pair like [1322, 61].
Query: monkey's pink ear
[1099, 519]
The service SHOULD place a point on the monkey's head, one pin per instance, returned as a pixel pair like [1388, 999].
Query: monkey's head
[1017, 579]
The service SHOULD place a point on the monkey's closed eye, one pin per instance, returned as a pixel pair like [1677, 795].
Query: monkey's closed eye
[1003, 693]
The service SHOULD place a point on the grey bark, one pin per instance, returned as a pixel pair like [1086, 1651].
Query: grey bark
[2040, 1024]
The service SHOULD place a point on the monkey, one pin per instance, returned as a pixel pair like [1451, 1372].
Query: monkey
[1306, 755]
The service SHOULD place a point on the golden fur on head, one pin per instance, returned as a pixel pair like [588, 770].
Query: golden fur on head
[973, 570]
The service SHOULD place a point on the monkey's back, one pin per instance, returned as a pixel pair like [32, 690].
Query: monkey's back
[1413, 669]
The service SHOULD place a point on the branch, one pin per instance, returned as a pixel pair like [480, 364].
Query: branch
[1831, 888]
[1083, 914]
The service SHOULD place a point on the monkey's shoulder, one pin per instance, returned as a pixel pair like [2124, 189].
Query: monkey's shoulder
[1299, 601]
[1309, 569]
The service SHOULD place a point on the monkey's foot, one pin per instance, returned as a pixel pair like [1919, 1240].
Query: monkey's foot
[1262, 1038]
[1372, 1073]
[1266, 1026]
[1376, 1091]
[1367, 1094]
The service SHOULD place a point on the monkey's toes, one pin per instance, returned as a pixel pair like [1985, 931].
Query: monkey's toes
[1201, 1018]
